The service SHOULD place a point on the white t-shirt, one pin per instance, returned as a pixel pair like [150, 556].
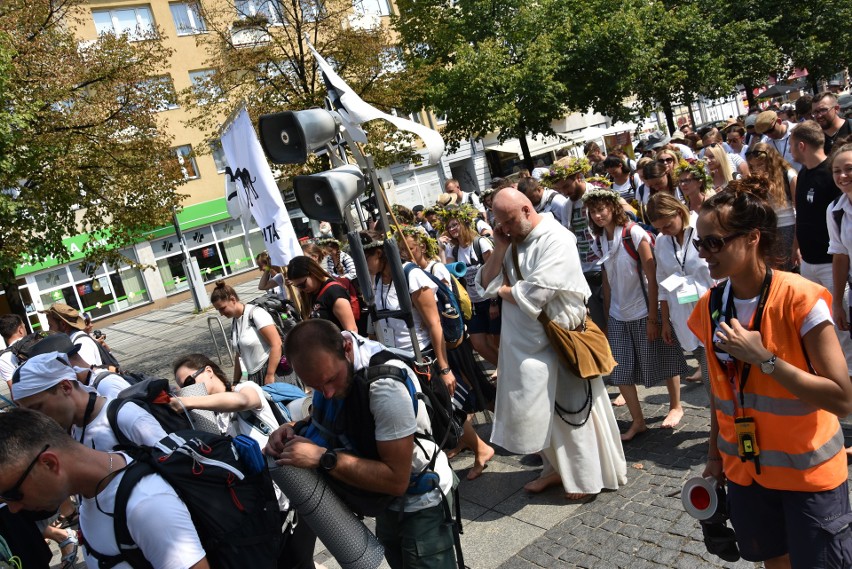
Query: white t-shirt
[392, 332]
[135, 423]
[626, 301]
[626, 190]
[471, 198]
[110, 385]
[783, 145]
[88, 348]
[393, 412]
[157, 519]
[840, 239]
[8, 364]
[231, 424]
[281, 290]
[441, 272]
[466, 255]
[248, 342]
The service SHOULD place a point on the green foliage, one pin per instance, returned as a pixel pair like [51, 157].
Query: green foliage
[81, 149]
[278, 72]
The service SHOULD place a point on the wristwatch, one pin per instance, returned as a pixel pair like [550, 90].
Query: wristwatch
[444, 371]
[328, 460]
[768, 366]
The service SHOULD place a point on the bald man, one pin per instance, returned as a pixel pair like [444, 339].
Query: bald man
[579, 441]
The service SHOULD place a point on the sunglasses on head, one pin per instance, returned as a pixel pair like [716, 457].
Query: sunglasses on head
[14, 493]
[714, 243]
[191, 379]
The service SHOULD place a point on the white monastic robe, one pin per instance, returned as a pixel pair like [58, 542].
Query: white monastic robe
[588, 458]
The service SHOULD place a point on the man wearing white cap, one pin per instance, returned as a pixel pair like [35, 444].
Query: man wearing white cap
[48, 383]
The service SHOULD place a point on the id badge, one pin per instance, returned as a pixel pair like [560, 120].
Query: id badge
[746, 438]
[673, 282]
[687, 293]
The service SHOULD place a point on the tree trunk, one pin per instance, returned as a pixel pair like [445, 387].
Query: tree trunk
[525, 148]
[749, 91]
[669, 112]
[690, 114]
[13, 296]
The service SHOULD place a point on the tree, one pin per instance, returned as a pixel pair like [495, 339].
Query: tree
[258, 54]
[82, 149]
[488, 66]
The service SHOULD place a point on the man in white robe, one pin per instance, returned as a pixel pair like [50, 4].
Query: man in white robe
[581, 446]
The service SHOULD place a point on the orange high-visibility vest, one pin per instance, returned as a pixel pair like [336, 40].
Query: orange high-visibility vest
[801, 446]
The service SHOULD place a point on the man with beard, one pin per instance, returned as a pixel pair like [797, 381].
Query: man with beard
[370, 449]
[544, 406]
[824, 110]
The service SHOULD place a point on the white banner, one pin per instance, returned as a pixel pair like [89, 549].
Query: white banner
[253, 177]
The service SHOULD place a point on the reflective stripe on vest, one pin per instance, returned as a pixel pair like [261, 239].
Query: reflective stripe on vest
[802, 461]
[766, 404]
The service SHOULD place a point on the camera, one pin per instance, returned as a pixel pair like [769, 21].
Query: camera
[98, 334]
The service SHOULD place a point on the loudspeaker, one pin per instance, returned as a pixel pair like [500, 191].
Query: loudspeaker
[288, 137]
[326, 195]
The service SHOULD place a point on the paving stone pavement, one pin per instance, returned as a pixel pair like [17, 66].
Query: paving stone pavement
[641, 525]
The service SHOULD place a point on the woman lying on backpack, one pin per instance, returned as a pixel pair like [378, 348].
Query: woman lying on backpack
[241, 410]
[253, 336]
[392, 332]
[322, 296]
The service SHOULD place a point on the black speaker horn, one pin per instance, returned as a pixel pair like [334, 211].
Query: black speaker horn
[326, 195]
[288, 137]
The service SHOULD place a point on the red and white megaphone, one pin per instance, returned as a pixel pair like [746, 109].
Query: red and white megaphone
[702, 500]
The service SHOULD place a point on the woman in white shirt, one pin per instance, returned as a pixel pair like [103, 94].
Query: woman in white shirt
[630, 302]
[682, 275]
[271, 277]
[253, 335]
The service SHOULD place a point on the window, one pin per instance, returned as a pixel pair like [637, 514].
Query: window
[312, 10]
[187, 18]
[376, 7]
[203, 87]
[186, 159]
[136, 22]
[218, 156]
[271, 10]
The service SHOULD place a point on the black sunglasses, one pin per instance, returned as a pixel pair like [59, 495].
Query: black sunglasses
[191, 379]
[14, 493]
[714, 244]
[666, 160]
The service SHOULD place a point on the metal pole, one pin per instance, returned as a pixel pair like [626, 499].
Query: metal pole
[187, 263]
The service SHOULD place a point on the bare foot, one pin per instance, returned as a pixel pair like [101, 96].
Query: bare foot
[694, 378]
[543, 483]
[673, 418]
[619, 401]
[452, 453]
[481, 463]
[634, 431]
[575, 496]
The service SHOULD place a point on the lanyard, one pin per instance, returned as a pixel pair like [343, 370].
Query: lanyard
[730, 313]
[687, 235]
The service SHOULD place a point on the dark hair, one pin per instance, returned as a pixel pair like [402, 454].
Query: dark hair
[9, 324]
[619, 216]
[403, 214]
[527, 185]
[590, 147]
[810, 133]
[653, 170]
[25, 432]
[825, 95]
[737, 129]
[200, 361]
[804, 104]
[844, 146]
[304, 266]
[223, 291]
[742, 207]
[371, 236]
[309, 336]
[612, 161]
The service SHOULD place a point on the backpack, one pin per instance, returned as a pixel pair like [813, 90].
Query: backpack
[21, 348]
[107, 359]
[477, 250]
[284, 314]
[226, 488]
[460, 291]
[131, 377]
[153, 396]
[279, 394]
[449, 309]
[627, 243]
[350, 289]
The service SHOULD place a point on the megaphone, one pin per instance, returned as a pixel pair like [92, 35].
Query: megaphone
[288, 137]
[701, 500]
[457, 269]
[325, 196]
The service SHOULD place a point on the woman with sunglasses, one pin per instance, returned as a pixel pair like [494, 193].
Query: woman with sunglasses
[241, 410]
[668, 157]
[253, 335]
[682, 276]
[779, 383]
[764, 160]
[322, 296]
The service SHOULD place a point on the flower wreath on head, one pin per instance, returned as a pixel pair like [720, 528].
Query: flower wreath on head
[696, 168]
[326, 241]
[465, 214]
[368, 243]
[598, 182]
[598, 192]
[429, 245]
[568, 168]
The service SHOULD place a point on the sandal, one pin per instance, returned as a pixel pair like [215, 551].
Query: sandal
[69, 560]
[64, 523]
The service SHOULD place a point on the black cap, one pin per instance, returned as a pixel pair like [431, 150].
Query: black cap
[417, 209]
[54, 343]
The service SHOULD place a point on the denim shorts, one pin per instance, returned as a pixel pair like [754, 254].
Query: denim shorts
[813, 527]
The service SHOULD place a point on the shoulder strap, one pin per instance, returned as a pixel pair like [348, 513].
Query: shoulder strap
[627, 240]
[456, 252]
[549, 199]
[99, 377]
[382, 371]
[328, 284]
[130, 552]
[632, 181]
[477, 249]
[837, 214]
[715, 304]
[516, 263]
[113, 407]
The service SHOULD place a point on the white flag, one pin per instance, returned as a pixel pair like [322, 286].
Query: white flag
[356, 111]
[254, 179]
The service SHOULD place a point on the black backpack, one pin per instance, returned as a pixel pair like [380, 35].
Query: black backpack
[153, 396]
[131, 377]
[21, 348]
[107, 359]
[227, 490]
[284, 314]
[449, 309]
